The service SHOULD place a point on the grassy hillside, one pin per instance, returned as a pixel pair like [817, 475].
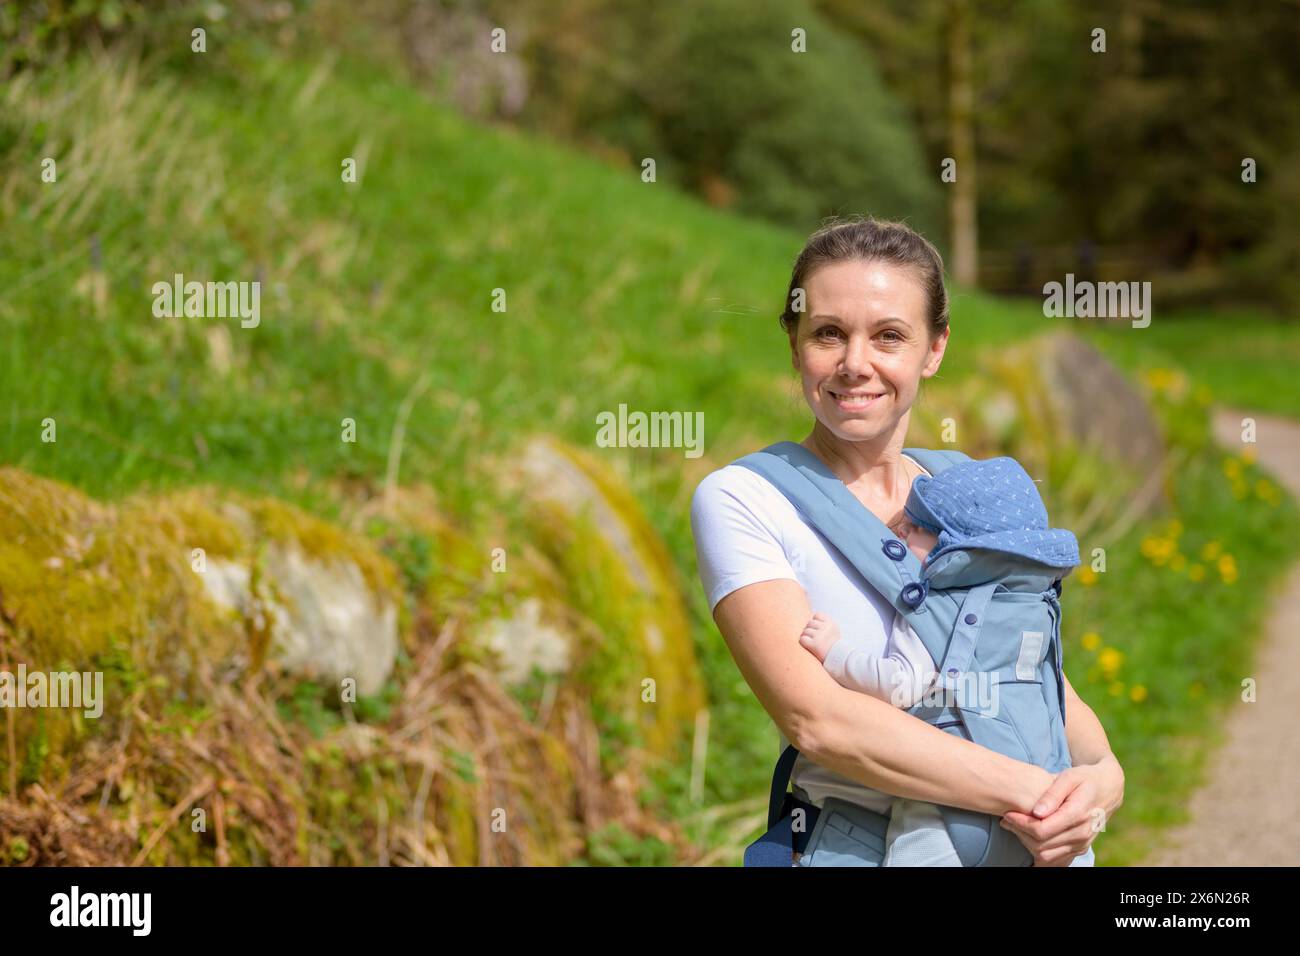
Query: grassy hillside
[617, 291]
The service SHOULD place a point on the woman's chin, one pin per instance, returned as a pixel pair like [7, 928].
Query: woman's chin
[855, 428]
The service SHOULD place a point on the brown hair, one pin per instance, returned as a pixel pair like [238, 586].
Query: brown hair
[871, 240]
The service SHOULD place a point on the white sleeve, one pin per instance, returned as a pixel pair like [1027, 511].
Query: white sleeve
[734, 545]
[899, 676]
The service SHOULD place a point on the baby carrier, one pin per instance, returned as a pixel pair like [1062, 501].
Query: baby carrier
[991, 621]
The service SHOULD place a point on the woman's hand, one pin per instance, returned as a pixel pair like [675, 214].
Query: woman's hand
[1070, 813]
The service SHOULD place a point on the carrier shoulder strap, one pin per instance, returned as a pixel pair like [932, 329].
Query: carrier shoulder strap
[855, 532]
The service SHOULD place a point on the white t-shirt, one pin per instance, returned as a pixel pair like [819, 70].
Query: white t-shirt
[747, 531]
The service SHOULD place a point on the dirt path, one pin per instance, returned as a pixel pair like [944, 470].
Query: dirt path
[1246, 812]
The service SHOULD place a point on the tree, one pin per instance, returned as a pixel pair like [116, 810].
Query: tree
[962, 216]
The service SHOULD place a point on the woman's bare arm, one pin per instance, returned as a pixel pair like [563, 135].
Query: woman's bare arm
[1089, 746]
[1083, 731]
[1065, 820]
[854, 734]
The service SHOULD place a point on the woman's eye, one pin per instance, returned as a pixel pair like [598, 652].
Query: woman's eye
[894, 336]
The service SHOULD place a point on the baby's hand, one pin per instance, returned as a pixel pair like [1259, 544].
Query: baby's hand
[819, 635]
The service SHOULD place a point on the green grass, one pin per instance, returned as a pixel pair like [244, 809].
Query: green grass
[618, 291]
[1246, 359]
[1184, 645]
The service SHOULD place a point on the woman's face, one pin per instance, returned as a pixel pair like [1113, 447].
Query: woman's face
[863, 346]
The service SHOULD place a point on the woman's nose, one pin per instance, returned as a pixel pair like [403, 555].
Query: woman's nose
[857, 358]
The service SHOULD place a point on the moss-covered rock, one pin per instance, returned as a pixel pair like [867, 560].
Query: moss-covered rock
[641, 670]
[154, 588]
[127, 570]
[446, 764]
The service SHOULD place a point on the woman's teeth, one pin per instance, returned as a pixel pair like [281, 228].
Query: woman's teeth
[852, 403]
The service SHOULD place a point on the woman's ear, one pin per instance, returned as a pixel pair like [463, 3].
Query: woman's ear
[935, 357]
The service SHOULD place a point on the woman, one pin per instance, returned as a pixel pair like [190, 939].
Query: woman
[867, 318]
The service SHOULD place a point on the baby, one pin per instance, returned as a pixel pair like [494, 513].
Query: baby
[991, 505]
[905, 671]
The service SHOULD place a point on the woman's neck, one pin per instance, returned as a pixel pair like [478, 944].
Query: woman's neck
[874, 468]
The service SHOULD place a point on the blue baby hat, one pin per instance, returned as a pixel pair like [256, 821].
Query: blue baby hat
[991, 504]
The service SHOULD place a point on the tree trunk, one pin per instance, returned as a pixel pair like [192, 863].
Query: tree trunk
[962, 194]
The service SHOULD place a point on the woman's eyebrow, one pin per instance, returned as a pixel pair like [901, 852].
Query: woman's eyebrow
[880, 321]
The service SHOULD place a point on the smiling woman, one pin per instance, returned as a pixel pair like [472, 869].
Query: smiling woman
[875, 325]
[879, 324]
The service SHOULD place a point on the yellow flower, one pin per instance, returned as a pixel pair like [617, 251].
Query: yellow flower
[1109, 658]
[1196, 572]
[1116, 688]
[1211, 550]
[1229, 575]
[1087, 576]
[1090, 641]
[1137, 694]
[1227, 563]
[1165, 379]
[1248, 454]
[1158, 549]
[1231, 467]
[1157, 378]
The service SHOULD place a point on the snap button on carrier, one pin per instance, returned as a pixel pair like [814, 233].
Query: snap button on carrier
[914, 594]
[895, 549]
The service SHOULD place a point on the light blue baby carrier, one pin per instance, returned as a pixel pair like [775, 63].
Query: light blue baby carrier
[987, 617]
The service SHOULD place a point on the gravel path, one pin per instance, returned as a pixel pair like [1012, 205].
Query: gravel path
[1246, 812]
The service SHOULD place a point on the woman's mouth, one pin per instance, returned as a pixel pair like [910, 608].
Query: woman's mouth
[854, 401]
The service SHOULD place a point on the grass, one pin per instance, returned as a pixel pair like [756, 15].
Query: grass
[616, 291]
[1247, 360]
[1160, 643]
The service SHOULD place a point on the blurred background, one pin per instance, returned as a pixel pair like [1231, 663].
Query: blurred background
[364, 586]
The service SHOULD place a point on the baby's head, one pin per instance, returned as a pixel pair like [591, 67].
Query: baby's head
[920, 541]
[989, 504]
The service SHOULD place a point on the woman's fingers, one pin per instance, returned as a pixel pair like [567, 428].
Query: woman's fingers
[1059, 850]
[1072, 796]
[1071, 843]
[1062, 785]
[1046, 829]
[1058, 838]
[1058, 858]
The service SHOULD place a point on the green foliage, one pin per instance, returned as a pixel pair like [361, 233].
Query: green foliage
[318, 706]
[377, 708]
[1235, 357]
[613, 845]
[309, 704]
[717, 96]
[1138, 148]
